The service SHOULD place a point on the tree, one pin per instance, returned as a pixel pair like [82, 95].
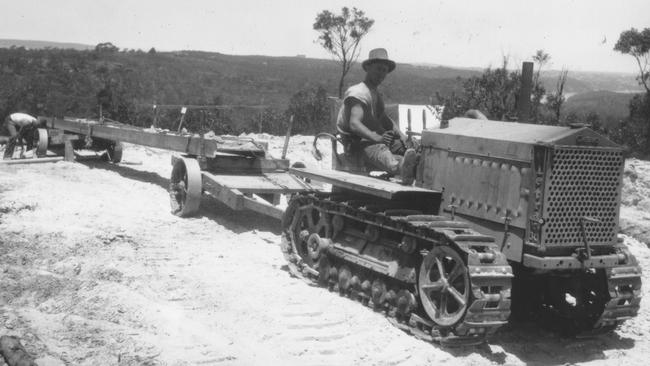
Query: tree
[340, 35]
[106, 47]
[635, 131]
[274, 121]
[556, 99]
[494, 93]
[540, 58]
[310, 110]
[105, 99]
[572, 117]
[593, 119]
[637, 44]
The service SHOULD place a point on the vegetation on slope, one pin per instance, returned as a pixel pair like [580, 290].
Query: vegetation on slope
[67, 82]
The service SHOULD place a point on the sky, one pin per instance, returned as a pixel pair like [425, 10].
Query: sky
[579, 35]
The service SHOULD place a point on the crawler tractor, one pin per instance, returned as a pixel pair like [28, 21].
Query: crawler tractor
[500, 213]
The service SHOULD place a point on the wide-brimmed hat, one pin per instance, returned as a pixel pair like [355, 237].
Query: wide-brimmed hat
[378, 55]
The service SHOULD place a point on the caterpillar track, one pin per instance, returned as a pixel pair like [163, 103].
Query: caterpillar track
[435, 278]
[580, 303]
[549, 196]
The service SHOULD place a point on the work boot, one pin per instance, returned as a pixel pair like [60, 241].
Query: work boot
[407, 167]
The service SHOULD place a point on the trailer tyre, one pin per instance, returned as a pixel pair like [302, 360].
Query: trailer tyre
[41, 140]
[114, 152]
[185, 187]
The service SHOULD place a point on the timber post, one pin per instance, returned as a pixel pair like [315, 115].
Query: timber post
[523, 100]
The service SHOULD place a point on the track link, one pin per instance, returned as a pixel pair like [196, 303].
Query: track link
[357, 276]
[580, 303]
[624, 287]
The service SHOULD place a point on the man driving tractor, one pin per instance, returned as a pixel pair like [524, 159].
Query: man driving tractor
[366, 129]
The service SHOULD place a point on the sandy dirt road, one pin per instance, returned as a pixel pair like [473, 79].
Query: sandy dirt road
[94, 270]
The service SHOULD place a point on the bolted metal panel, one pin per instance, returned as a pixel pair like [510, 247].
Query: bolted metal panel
[492, 170]
[582, 182]
[480, 186]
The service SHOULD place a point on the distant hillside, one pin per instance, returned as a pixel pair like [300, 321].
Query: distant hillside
[581, 82]
[408, 84]
[578, 81]
[67, 81]
[610, 106]
[8, 43]
[273, 80]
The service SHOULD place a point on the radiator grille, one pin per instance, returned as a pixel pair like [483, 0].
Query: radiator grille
[582, 182]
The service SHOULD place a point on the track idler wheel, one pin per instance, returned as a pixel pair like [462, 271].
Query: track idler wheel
[333, 277]
[366, 289]
[444, 286]
[306, 230]
[345, 280]
[355, 285]
[185, 187]
[378, 294]
[324, 269]
[405, 304]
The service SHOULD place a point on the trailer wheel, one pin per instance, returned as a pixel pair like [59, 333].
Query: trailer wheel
[114, 152]
[41, 137]
[185, 187]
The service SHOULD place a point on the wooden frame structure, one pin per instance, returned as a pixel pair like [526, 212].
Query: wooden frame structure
[234, 170]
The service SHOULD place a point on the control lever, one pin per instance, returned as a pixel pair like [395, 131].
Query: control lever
[453, 208]
[586, 252]
[506, 228]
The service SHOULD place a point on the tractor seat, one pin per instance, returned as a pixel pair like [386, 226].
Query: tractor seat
[344, 158]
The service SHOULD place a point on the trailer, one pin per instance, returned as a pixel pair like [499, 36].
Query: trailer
[235, 170]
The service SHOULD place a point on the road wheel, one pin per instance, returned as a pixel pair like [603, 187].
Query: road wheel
[444, 286]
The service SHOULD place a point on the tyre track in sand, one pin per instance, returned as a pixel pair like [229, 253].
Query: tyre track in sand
[242, 290]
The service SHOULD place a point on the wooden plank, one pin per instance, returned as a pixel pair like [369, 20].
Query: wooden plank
[230, 197]
[263, 207]
[238, 164]
[361, 183]
[190, 144]
[263, 183]
[237, 200]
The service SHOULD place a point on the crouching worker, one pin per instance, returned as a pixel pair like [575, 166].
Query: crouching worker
[364, 125]
[20, 126]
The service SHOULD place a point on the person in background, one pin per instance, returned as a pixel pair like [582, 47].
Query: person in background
[364, 126]
[19, 126]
